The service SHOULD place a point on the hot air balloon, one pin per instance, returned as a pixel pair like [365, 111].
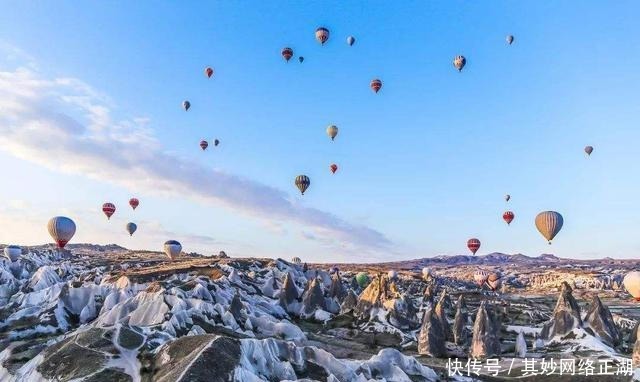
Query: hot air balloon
[287, 53]
[494, 281]
[108, 209]
[61, 229]
[301, 59]
[507, 197]
[510, 39]
[459, 62]
[332, 131]
[631, 283]
[12, 252]
[362, 279]
[392, 274]
[302, 182]
[322, 35]
[333, 168]
[208, 72]
[588, 150]
[296, 260]
[186, 105]
[376, 85]
[549, 224]
[204, 144]
[131, 228]
[508, 217]
[133, 202]
[351, 40]
[172, 248]
[473, 245]
[216, 142]
[426, 273]
[480, 277]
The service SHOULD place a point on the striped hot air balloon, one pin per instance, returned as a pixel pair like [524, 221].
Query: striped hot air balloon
[473, 245]
[588, 150]
[204, 144]
[494, 281]
[287, 53]
[508, 216]
[61, 229]
[208, 72]
[12, 252]
[332, 131]
[480, 276]
[549, 223]
[333, 168]
[296, 260]
[302, 182]
[109, 209]
[133, 202]
[322, 35]
[459, 62]
[131, 228]
[376, 85]
[172, 249]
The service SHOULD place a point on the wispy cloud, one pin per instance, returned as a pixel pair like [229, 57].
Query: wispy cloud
[77, 126]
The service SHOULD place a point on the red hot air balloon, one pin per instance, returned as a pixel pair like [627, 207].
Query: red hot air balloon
[208, 72]
[376, 85]
[334, 168]
[204, 144]
[287, 53]
[322, 35]
[133, 202]
[108, 209]
[508, 217]
[473, 245]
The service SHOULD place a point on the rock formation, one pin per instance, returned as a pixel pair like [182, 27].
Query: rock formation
[313, 298]
[566, 315]
[431, 340]
[485, 342]
[288, 293]
[521, 346]
[440, 311]
[600, 321]
[460, 332]
[337, 290]
[349, 302]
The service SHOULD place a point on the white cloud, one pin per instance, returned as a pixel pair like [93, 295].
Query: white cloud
[76, 125]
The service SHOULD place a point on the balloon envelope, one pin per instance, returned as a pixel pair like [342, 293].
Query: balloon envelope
[459, 62]
[508, 216]
[131, 228]
[204, 144]
[333, 168]
[351, 40]
[507, 197]
[216, 142]
[631, 283]
[296, 260]
[392, 274]
[332, 131]
[172, 249]
[480, 276]
[362, 279]
[549, 223]
[302, 182]
[186, 105]
[473, 245]
[510, 39]
[322, 35]
[376, 85]
[426, 272]
[61, 229]
[588, 150]
[208, 72]
[287, 53]
[109, 209]
[133, 202]
[301, 59]
[12, 252]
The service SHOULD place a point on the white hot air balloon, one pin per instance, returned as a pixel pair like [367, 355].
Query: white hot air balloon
[392, 274]
[61, 229]
[172, 248]
[632, 284]
[12, 252]
[296, 260]
[426, 273]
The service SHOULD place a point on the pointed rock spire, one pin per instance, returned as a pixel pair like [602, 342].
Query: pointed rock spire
[566, 315]
[313, 298]
[337, 290]
[600, 320]
[444, 302]
[288, 293]
[349, 302]
[460, 332]
[431, 340]
[485, 341]
[521, 345]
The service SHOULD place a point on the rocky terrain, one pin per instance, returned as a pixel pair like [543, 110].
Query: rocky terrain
[104, 313]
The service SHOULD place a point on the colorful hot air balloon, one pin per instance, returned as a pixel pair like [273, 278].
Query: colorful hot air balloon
[351, 40]
[108, 209]
[588, 150]
[494, 281]
[473, 245]
[12, 252]
[507, 197]
[362, 279]
[172, 248]
[508, 216]
[287, 53]
[301, 59]
[426, 273]
[204, 144]
[133, 202]
[131, 228]
[61, 229]
[510, 39]
[549, 224]
[332, 131]
[333, 168]
[322, 35]
[631, 283]
[376, 85]
[216, 142]
[208, 72]
[459, 62]
[480, 277]
[186, 105]
[302, 182]
[296, 260]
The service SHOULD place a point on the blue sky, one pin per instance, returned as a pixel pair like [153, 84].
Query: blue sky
[424, 164]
